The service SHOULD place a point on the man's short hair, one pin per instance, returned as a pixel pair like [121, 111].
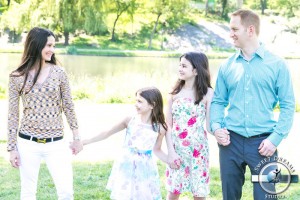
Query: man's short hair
[248, 18]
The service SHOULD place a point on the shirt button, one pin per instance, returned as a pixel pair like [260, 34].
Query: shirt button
[247, 115]
[246, 88]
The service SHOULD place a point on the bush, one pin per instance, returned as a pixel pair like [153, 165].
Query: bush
[71, 50]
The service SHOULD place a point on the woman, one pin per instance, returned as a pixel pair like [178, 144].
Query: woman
[45, 92]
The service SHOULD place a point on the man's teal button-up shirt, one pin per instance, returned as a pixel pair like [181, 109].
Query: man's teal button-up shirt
[251, 89]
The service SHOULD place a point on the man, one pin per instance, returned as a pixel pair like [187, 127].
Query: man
[250, 83]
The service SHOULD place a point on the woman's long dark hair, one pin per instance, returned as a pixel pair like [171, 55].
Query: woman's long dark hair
[154, 98]
[35, 42]
[199, 62]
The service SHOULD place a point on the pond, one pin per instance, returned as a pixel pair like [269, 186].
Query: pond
[107, 79]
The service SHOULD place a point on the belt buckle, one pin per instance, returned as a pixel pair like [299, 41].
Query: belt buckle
[41, 141]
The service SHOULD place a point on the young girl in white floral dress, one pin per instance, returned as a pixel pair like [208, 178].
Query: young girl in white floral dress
[135, 176]
[188, 108]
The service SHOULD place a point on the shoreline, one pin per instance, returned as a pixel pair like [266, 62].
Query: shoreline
[132, 53]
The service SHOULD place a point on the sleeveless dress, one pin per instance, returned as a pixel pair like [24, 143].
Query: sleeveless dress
[134, 175]
[191, 144]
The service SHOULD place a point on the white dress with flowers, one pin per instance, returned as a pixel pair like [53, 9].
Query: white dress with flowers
[134, 175]
[190, 142]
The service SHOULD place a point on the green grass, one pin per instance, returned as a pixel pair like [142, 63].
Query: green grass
[90, 180]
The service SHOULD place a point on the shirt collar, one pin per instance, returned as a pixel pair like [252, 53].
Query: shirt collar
[260, 52]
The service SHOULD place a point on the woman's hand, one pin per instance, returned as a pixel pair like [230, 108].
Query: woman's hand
[76, 146]
[14, 159]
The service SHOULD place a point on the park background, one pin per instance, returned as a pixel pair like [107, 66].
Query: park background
[112, 48]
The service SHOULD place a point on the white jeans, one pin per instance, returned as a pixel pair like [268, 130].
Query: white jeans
[57, 156]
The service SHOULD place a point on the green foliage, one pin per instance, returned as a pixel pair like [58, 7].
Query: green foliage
[134, 24]
[288, 8]
[2, 92]
[94, 17]
[80, 95]
[72, 50]
[2, 9]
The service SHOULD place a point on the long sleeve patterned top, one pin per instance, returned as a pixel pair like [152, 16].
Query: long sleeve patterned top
[42, 107]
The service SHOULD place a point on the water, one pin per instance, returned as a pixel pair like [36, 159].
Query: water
[126, 72]
[97, 66]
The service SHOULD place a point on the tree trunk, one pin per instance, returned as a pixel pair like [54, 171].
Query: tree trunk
[263, 5]
[114, 27]
[154, 30]
[224, 4]
[206, 7]
[66, 34]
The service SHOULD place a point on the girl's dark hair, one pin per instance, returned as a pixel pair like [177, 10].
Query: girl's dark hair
[154, 98]
[199, 62]
[36, 40]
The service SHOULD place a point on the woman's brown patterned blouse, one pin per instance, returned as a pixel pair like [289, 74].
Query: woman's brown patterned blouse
[42, 107]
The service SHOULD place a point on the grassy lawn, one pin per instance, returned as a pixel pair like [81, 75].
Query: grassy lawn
[90, 180]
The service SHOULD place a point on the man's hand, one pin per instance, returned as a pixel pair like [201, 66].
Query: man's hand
[266, 148]
[14, 159]
[222, 136]
[76, 146]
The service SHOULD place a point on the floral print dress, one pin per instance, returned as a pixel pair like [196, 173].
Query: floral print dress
[134, 175]
[190, 142]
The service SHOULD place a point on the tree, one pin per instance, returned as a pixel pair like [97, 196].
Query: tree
[224, 4]
[69, 16]
[158, 9]
[288, 8]
[263, 6]
[119, 7]
[94, 16]
[173, 12]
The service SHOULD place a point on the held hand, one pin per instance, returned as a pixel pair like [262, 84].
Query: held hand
[15, 159]
[174, 160]
[222, 136]
[76, 146]
[266, 148]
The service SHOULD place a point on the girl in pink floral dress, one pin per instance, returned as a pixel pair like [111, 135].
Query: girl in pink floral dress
[189, 104]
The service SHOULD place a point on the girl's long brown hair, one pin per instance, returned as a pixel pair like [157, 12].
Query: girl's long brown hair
[35, 42]
[199, 62]
[154, 98]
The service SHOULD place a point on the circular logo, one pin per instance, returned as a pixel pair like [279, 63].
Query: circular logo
[274, 178]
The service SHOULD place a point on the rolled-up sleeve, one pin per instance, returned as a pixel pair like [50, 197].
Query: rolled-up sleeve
[219, 103]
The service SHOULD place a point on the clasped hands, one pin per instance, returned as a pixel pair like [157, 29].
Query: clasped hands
[222, 136]
[266, 148]
[174, 160]
[76, 146]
